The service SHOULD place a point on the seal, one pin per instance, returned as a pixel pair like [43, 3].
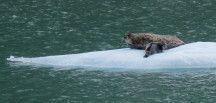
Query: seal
[140, 40]
[153, 48]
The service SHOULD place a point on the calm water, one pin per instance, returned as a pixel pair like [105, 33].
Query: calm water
[44, 27]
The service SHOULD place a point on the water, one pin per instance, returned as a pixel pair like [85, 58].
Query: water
[42, 28]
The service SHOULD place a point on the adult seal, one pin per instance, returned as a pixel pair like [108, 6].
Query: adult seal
[140, 40]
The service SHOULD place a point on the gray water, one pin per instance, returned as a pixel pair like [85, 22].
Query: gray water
[44, 27]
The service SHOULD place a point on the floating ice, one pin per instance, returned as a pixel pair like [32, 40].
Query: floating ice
[193, 55]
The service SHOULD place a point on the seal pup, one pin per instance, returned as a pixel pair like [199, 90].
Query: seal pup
[153, 48]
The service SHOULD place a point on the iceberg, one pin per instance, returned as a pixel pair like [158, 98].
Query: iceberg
[192, 55]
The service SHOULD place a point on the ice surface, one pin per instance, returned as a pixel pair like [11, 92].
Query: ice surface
[193, 55]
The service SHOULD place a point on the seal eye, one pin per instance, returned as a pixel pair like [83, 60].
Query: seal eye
[125, 37]
[128, 35]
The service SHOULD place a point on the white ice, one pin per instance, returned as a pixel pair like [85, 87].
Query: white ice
[193, 55]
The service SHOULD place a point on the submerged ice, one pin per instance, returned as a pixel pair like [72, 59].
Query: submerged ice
[193, 55]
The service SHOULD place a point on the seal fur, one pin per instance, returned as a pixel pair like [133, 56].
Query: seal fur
[139, 41]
